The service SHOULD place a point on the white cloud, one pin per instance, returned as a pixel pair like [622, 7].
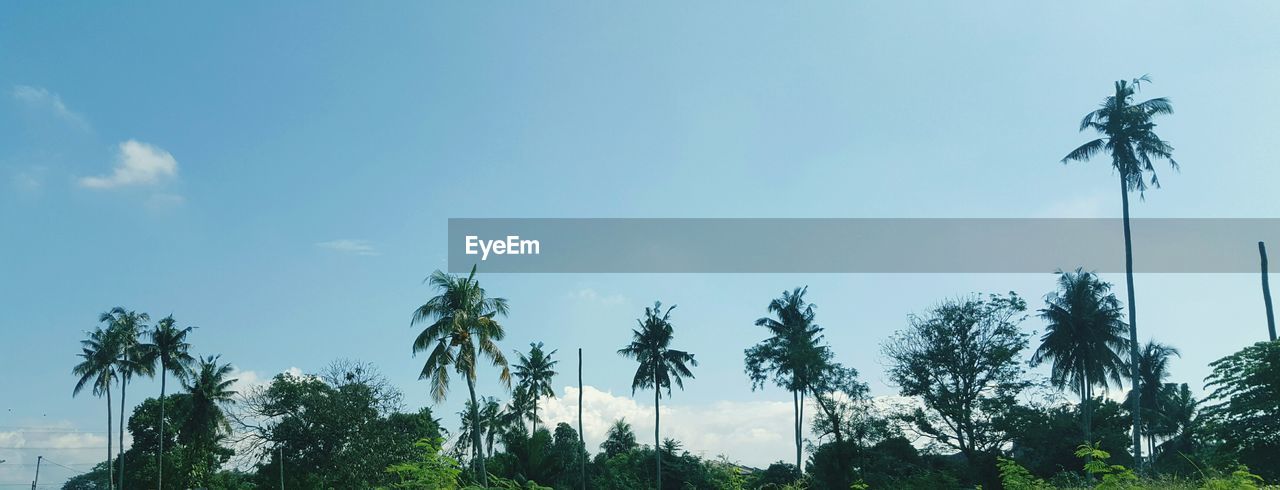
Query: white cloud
[249, 379]
[349, 246]
[591, 295]
[42, 98]
[137, 163]
[755, 433]
[59, 442]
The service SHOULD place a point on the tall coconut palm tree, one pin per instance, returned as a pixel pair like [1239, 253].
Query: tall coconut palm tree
[170, 351]
[125, 328]
[792, 355]
[462, 326]
[660, 365]
[1128, 135]
[97, 369]
[1153, 369]
[1084, 338]
[535, 372]
[209, 386]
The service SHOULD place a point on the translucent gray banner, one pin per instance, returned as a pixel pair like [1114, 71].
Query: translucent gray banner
[573, 245]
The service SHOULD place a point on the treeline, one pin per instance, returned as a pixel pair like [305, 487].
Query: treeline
[964, 361]
[977, 416]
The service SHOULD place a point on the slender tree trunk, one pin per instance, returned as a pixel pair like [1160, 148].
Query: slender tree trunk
[657, 418]
[795, 422]
[111, 475]
[478, 451]
[800, 436]
[535, 415]
[582, 436]
[1133, 325]
[124, 382]
[160, 456]
[1266, 292]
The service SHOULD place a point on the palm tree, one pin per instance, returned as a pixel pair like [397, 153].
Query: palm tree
[491, 420]
[619, 439]
[170, 350]
[1128, 135]
[535, 372]
[519, 409]
[660, 365]
[1084, 338]
[124, 328]
[1178, 421]
[792, 354]
[462, 326]
[210, 389]
[1153, 369]
[97, 368]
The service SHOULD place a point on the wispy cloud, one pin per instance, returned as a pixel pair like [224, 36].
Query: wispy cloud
[591, 295]
[41, 98]
[137, 163]
[349, 246]
[1083, 206]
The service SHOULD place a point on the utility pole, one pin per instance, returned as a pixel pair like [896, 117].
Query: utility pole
[1266, 292]
[582, 437]
[36, 481]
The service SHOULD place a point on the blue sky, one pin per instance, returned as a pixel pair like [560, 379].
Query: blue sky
[281, 176]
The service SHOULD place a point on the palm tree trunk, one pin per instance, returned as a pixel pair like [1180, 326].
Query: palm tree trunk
[795, 422]
[160, 455]
[478, 451]
[124, 382]
[1266, 292]
[657, 423]
[111, 476]
[1133, 325]
[800, 436]
[1086, 407]
[535, 415]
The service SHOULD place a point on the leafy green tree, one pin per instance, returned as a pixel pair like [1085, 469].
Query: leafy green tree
[431, 471]
[1084, 338]
[535, 372]
[1045, 438]
[963, 361]
[660, 365]
[209, 387]
[97, 369]
[339, 429]
[170, 350]
[1153, 369]
[462, 326]
[791, 355]
[125, 326]
[1128, 135]
[1243, 408]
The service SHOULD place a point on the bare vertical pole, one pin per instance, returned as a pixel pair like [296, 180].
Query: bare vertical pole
[37, 480]
[1266, 292]
[282, 467]
[581, 436]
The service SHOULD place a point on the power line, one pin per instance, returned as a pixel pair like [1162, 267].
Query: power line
[55, 463]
